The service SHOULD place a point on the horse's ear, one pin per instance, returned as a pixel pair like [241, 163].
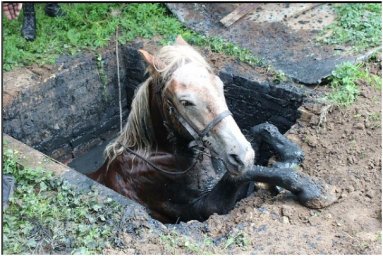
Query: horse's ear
[147, 57]
[181, 41]
[151, 60]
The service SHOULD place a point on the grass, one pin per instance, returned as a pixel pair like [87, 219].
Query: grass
[205, 246]
[344, 82]
[47, 216]
[173, 240]
[356, 24]
[92, 26]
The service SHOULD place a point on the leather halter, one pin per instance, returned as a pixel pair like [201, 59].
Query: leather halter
[197, 135]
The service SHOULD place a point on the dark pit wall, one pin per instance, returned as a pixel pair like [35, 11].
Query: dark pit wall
[69, 112]
[74, 114]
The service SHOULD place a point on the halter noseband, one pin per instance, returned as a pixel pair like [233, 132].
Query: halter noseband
[197, 135]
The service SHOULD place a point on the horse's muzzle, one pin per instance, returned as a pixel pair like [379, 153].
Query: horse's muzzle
[239, 163]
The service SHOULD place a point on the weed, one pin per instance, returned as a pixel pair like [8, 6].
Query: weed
[46, 215]
[344, 83]
[375, 117]
[379, 236]
[356, 24]
[102, 75]
[240, 240]
[278, 75]
[92, 26]
[217, 44]
[375, 120]
[173, 240]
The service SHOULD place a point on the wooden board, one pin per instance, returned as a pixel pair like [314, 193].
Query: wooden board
[238, 13]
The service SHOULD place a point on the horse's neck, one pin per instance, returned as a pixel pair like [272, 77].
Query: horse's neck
[159, 129]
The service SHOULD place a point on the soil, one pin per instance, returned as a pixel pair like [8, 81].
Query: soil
[342, 146]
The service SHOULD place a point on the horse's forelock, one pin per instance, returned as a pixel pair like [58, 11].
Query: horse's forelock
[173, 57]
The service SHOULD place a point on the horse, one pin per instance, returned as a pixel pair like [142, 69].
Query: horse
[182, 155]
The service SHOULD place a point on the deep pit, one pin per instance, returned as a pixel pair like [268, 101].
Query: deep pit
[73, 113]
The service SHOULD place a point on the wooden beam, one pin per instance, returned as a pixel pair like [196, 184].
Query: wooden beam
[237, 14]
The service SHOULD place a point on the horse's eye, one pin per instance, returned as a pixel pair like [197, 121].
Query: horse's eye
[186, 103]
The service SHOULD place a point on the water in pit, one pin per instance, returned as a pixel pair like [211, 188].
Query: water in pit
[91, 160]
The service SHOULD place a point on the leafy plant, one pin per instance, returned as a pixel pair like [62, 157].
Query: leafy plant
[239, 239]
[102, 75]
[47, 215]
[174, 240]
[344, 83]
[356, 24]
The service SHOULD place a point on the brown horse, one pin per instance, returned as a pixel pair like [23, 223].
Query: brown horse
[182, 155]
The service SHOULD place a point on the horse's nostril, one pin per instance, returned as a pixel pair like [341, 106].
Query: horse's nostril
[235, 160]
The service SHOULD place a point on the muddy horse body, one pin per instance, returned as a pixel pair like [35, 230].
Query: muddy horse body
[193, 168]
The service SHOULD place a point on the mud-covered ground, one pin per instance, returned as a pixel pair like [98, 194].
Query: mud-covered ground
[343, 147]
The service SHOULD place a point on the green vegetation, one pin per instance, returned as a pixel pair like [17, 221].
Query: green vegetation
[102, 75]
[357, 24]
[46, 215]
[278, 75]
[174, 240]
[217, 44]
[188, 245]
[344, 81]
[92, 26]
[239, 239]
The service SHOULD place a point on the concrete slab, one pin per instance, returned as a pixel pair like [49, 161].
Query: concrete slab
[283, 34]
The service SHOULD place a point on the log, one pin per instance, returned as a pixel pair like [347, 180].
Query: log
[237, 14]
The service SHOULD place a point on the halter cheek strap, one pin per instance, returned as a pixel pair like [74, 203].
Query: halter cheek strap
[197, 135]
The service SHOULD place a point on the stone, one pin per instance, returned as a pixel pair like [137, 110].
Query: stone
[285, 220]
[370, 194]
[305, 115]
[359, 126]
[287, 211]
[311, 140]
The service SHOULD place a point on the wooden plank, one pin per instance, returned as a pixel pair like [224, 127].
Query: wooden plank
[238, 13]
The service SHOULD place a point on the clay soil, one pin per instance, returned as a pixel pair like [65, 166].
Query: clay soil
[342, 146]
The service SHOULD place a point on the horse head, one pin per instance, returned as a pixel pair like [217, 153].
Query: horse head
[194, 105]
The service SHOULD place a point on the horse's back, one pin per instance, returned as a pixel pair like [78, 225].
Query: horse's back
[99, 174]
[111, 175]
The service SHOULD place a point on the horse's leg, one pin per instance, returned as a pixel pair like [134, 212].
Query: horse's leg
[313, 194]
[222, 198]
[310, 192]
[289, 153]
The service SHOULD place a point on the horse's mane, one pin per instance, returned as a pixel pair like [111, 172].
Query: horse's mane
[138, 132]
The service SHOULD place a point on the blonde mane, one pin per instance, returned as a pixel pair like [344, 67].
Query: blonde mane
[138, 132]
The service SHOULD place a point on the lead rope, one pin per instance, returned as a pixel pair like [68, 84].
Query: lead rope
[197, 158]
[118, 80]
[171, 172]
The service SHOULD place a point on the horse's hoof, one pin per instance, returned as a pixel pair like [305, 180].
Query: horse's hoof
[317, 195]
